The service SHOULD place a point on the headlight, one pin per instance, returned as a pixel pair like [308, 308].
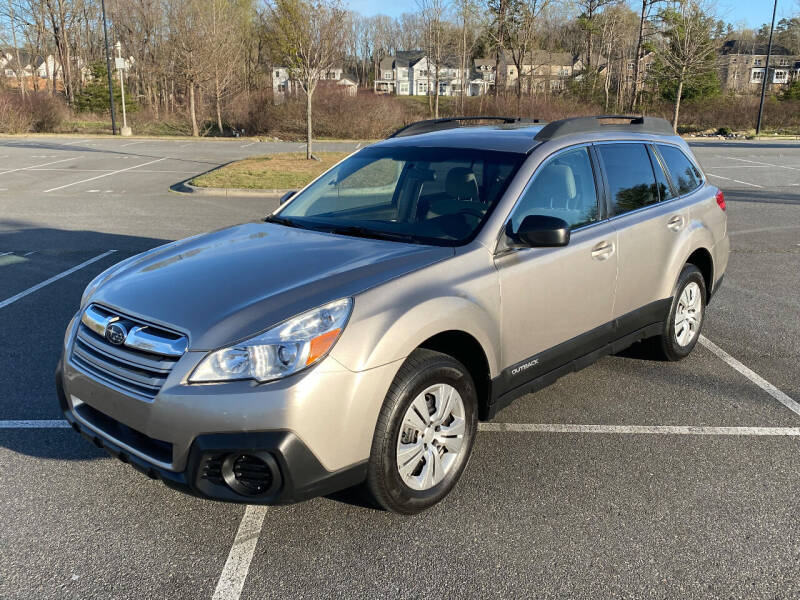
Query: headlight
[285, 349]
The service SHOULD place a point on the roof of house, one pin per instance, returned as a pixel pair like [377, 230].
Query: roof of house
[745, 47]
[25, 58]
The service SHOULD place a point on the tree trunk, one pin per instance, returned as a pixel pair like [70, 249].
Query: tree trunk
[308, 124]
[635, 96]
[677, 103]
[436, 99]
[218, 102]
[193, 111]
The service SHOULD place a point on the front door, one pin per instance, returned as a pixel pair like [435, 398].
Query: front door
[557, 303]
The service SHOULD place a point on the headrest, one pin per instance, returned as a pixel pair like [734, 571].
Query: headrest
[462, 184]
[557, 183]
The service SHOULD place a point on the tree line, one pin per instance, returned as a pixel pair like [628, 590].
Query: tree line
[188, 53]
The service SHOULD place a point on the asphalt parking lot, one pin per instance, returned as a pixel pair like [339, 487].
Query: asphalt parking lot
[630, 478]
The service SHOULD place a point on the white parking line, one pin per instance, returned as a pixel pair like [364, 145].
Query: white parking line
[35, 424]
[61, 187]
[638, 429]
[37, 166]
[246, 145]
[736, 180]
[46, 282]
[757, 162]
[765, 385]
[234, 573]
[132, 143]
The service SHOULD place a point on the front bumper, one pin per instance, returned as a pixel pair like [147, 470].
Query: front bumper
[296, 474]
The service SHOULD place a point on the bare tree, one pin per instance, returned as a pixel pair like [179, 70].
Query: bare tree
[307, 36]
[467, 14]
[433, 18]
[522, 32]
[688, 50]
[646, 7]
[587, 20]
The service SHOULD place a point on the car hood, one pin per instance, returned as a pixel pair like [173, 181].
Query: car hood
[228, 285]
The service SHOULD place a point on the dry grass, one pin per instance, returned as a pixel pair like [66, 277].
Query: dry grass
[276, 171]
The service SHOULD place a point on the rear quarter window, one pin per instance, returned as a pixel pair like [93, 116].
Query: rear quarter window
[684, 174]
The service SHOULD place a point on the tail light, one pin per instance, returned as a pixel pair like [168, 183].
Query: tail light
[721, 199]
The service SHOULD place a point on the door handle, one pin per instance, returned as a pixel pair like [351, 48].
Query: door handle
[602, 250]
[675, 223]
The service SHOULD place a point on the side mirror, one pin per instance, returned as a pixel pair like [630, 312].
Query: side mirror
[286, 197]
[539, 231]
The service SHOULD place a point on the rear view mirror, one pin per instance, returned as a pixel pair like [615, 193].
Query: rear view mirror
[287, 196]
[539, 231]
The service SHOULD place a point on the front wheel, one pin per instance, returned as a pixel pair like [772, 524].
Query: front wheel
[424, 433]
[684, 322]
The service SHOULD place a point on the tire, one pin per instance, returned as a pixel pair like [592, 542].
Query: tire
[670, 345]
[426, 380]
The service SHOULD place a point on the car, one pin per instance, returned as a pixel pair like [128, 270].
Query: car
[357, 335]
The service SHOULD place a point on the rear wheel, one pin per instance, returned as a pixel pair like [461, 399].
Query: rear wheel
[683, 324]
[424, 433]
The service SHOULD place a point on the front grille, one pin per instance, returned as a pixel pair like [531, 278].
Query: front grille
[135, 372]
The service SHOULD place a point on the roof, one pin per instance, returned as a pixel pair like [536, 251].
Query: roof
[25, 58]
[517, 138]
[522, 137]
[753, 48]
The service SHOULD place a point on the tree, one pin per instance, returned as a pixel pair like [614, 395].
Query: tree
[432, 13]
[521, 30]
[94, 96]
[687, 52]
[467, 15]
[307, 37]
[646, 7]
[588, 23]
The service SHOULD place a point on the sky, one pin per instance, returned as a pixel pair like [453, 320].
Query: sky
[752, 12]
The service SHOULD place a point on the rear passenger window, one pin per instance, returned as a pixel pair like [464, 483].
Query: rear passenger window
[563, 188]
[684, 174]
[631, 181]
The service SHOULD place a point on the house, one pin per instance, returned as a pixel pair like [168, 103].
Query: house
[283, 82]
[412, 73]
[742, 65]
[33, 69]
[538, 71]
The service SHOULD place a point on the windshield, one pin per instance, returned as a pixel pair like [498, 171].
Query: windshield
[425, 195]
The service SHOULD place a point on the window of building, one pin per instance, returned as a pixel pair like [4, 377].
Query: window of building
[781, 76]
[757, 62]
[757, 75]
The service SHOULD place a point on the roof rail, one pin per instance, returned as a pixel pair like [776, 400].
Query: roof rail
[635, 124]
[430, 125]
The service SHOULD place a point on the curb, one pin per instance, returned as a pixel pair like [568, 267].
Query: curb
[186, 188]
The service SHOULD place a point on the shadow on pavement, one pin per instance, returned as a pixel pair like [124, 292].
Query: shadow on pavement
[32, 332]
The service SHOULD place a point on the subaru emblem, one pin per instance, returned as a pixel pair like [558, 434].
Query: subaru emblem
[116, 333]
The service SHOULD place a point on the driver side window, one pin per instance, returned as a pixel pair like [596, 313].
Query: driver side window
[564, 187]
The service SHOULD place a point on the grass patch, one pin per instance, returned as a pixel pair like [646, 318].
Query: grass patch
[275, 171]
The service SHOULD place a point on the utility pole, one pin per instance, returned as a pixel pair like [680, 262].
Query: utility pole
[108, 70]
[766, 71]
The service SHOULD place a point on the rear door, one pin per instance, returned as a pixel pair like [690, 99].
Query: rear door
[556, 303]
[648, 224]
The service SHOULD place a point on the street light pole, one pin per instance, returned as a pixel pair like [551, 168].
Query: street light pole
[125, 131]
[108, 70]
[766, 71]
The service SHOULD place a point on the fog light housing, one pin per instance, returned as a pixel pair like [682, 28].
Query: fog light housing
[251, 474]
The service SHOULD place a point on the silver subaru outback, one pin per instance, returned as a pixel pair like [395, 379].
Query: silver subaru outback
[360, 332]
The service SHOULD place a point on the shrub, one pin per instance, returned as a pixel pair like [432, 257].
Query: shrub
[47, 112]
[14, 117]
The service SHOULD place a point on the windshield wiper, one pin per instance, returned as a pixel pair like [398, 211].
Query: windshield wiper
[282, 221]
[358, 231]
